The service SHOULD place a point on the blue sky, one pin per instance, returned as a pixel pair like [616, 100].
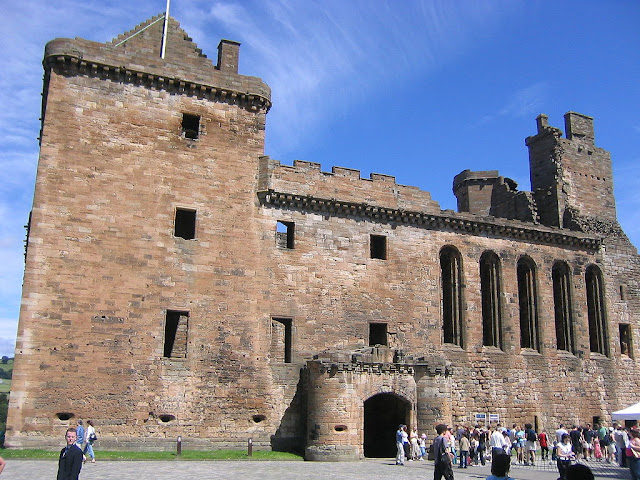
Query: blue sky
[416, 89]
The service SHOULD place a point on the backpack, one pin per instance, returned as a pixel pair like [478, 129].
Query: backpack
[531, 435]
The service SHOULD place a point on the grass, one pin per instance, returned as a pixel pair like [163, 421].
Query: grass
[186, 455]
[5, 386]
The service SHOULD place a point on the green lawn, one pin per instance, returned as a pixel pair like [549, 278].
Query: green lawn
[186, 455]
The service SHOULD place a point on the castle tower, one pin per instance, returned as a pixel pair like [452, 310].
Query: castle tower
[571, 177]
[146, 174]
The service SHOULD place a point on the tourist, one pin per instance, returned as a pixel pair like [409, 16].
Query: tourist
[530, 445]
[588, 433]
[597, 451]
[415, 448]
[80, 434]
[473, 447]
[576, 441]
[559, 433]
[622, 439]
[544, 445]
[442, 455]
[465, 446]
[500, 464]
[564, 453]
[422, 443]
[608, 445]
[519, 445]
[400, 436]
[482, 446]
[579, 471]
[633, 454]
[89, 438]
[70, 461]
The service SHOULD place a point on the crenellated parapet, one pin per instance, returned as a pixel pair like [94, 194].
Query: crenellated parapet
[343, 184]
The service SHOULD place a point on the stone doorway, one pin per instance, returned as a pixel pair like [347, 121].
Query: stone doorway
[382, 415]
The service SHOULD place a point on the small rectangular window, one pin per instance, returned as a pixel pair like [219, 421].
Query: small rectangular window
[626, 347]
[378, 245]
[190, 126]
[185, 224]
[285, 234]
[175, 334]
[623, 292]
[281, 340]
[377, 334]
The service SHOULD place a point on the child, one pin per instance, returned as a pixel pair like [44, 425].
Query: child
[500, 464]
[597, 451]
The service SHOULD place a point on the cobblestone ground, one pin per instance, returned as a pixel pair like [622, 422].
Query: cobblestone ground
[370, 469]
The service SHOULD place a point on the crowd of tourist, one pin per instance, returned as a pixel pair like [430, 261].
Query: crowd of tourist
[571, 449]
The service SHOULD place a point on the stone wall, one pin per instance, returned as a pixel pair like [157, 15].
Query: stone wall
[271, 326]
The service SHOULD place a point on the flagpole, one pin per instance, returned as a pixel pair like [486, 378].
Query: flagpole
[165, 31]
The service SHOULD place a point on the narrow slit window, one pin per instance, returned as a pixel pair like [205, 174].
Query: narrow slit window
[190, 126]
[175, 334]
[185, 224]
[377, 334]
[285, 234]
[378, 244]
[281, 340]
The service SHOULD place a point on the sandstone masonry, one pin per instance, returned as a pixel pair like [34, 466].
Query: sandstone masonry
[180, 282]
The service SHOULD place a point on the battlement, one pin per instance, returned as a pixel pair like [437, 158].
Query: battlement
[307, 179]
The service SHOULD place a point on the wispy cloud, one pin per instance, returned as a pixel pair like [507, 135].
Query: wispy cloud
[322, 57]
[524, 102]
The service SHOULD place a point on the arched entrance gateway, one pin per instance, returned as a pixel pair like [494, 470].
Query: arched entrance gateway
[382, 415]
[357, 399]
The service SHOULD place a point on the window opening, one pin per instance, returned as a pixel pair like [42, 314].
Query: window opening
[563, 312]
[190, 126]
[491, 303]
[281, 330]
[185, 224]
[378, 334]
[451, 281]
[527, 299]
[285, 234]
[596, 311]
[175, 334]
[626, 347]
[623, 292]
[378, 244]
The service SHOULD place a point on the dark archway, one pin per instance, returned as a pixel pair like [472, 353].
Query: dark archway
[382, 415]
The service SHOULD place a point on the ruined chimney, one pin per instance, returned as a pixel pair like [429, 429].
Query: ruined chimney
[228, 52]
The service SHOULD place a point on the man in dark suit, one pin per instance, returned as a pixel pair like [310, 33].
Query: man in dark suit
[70, 461]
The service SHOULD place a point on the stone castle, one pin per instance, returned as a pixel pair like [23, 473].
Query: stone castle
[179, 282]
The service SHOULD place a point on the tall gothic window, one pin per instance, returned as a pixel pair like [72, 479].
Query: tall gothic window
[562, 307]
[528, 302]
[451, 280]
[491, 305]
[598, 341]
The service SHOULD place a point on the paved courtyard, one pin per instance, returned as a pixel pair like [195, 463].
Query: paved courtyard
[370, 469]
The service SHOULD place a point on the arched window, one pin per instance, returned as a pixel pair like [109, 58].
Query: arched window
[491, 305]
[528, 302]
[451, 281]
[598, 339]
[562, 307]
